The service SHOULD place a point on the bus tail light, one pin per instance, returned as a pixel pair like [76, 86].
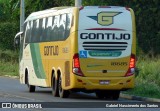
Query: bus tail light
[131, 69]
[76, 65]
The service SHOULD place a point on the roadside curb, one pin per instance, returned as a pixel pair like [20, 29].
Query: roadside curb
[14, 77]
[139, 98]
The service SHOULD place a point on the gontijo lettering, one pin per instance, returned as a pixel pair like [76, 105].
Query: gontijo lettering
[51, 50]
[106, 36]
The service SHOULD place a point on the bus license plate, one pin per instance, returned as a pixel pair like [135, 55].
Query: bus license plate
[104, 82]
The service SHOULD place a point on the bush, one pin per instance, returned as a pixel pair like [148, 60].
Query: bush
[7, 33]
[149, 70]
[9, 62]
[9, 56]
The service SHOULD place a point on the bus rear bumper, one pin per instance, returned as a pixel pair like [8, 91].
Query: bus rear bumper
[103, 83]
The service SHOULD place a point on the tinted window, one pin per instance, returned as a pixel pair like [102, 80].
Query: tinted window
[68, 24]
[34, 31]
[40, 29]
[37, 31]
[27, 33]
[52, 36]
[49, 29]
[62, 27]
[44, 29]
[55, 28]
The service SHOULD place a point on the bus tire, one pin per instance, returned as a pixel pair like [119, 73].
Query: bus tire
[55, 92]
[31, 88]
[100, 94]
[62, 93]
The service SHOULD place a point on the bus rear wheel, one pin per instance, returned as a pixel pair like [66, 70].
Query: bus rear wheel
[62, 93]
[55, 86]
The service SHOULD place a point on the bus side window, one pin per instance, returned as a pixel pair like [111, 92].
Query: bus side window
[68, 25]
[55, 36]
[31, 28]
[49, 29]
[27, 33]
[62, 27]
[43, 30]
[34, 31]
[39, 30]
[52, 37]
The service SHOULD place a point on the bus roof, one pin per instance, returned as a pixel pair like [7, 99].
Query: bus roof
[42, 13]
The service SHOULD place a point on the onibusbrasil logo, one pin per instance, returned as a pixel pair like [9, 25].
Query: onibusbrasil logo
[105, 18]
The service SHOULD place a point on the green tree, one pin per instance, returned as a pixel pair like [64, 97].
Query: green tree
[7, 33]
[37, 5]
[8, 9]
[8, 22]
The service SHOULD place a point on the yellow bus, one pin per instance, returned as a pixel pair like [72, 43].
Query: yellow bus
[90, 49]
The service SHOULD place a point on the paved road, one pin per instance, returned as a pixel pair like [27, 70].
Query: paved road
[12, 91]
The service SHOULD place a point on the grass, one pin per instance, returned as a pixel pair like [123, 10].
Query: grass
[145, 89]
[8, 68]
[8, 63]
[147, 82]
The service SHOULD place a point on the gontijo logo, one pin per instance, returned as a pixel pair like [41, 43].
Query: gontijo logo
[105, 18]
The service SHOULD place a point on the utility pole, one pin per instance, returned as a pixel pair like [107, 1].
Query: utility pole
[22, 14]
[78, 3]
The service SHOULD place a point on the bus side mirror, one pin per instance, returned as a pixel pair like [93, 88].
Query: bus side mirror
[17, 39]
